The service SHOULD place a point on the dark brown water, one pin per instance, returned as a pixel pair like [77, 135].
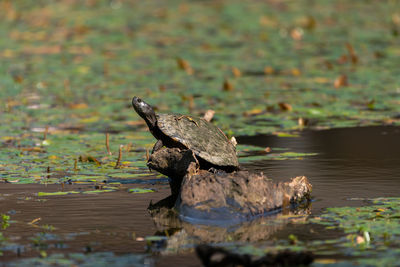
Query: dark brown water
[351, 163]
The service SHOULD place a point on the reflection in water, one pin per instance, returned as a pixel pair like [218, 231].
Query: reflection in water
[183, 235]
[351, 163]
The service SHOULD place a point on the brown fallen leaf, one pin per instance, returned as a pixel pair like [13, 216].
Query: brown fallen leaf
[297, 34]
[253, 112]
[18, 78]
[308, 22]
[227, 86]
[328, 64]
[236, 72]
[343, 59]
[162, 88]
[296, 72]
[285, 106]
[88, 158]
[269, 70]
[267, 21]
[321, 80]
[209, 115]
[78, 106]
[33, 149]
[352, 54]
[184, 65]
[42, 50]
[341, 81]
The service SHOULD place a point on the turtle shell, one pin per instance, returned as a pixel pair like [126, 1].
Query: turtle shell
[204, 138]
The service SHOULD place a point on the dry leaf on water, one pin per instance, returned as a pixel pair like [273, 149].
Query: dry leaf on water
[285, 106]
[236, 72]
[184, 65]
[209, 115]
[269, 70]
[253, 112]
[227, 86]
[341, 81]
[297, 34]
[352, 54]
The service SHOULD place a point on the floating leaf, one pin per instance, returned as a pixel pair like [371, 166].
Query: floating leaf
[341, 81]
[282, 134]
[236, 72]
[184, 65]
[59, 193]
[209, 115]
[227, 86]
[140, 190]
[285, 106]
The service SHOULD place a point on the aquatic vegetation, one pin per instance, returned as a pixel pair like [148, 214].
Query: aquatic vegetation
[5, 221]
[371, 225]
[61, 193]
[370, 230]
[140, 190]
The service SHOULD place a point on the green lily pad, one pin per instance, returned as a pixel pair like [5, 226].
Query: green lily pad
[140, 190]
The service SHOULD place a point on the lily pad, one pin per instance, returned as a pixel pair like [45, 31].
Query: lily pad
[140, 190]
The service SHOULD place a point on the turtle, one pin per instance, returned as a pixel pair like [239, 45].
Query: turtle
[209, 144]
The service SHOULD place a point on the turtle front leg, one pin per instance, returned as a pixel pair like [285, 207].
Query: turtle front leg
[157, 146]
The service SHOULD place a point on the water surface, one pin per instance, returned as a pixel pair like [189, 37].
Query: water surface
[351, 163]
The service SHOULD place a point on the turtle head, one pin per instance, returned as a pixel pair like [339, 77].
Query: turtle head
[145, 111]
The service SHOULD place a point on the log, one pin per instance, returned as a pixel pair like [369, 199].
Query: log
[237, 196]
[218, 197]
